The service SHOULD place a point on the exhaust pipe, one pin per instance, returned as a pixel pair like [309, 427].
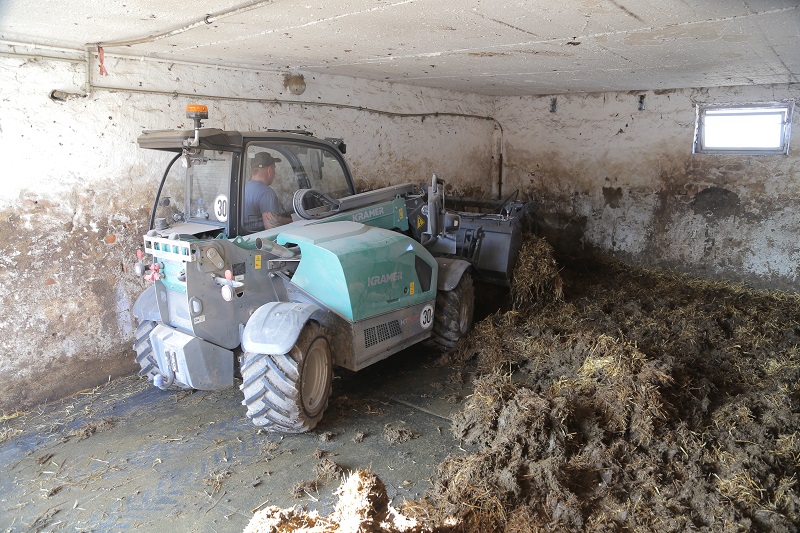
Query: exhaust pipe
[274, 248]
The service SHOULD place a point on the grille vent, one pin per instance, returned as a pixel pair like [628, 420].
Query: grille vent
[381, 332]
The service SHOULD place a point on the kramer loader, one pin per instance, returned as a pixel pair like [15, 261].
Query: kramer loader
[353, 279]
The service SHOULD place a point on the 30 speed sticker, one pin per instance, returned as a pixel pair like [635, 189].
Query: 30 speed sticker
[426, 316]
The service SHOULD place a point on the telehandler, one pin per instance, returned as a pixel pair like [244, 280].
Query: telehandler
[354, 278]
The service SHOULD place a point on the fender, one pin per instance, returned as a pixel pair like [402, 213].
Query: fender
[275, 326]
[450, 272]
[146, 306]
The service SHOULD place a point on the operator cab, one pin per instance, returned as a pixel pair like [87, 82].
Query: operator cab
[202, 191]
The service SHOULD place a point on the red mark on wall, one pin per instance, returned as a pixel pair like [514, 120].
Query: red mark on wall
[101, 54]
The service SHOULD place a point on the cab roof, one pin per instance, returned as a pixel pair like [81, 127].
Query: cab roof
[215, 139]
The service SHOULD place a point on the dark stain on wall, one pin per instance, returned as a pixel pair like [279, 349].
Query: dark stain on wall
[612, 196]
[715, 203]
[564, 230]
[709, 231]
[63, 274]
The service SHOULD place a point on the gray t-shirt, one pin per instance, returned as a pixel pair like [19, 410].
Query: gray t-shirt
[259, 198]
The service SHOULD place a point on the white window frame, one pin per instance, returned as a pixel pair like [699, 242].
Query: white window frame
[786, 108]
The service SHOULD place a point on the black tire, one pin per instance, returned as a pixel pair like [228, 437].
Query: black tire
[454, 312]
[289, 393]
[144, 354]
[144, 350]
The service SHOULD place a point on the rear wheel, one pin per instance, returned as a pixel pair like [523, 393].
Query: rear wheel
[289, 392]
[454, 310]
[148, 367]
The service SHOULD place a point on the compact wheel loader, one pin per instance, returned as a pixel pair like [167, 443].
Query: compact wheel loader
[353, 279]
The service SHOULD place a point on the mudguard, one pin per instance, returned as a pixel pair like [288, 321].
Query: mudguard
[275, 326]
[450, 272]
[146, 306]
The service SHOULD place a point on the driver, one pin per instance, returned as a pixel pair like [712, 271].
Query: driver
[262, 208]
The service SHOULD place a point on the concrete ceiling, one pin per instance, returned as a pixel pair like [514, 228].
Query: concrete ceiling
[491, 47]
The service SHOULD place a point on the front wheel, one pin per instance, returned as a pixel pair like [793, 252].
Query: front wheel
[454, 310]
[289, 392]
[144, 350]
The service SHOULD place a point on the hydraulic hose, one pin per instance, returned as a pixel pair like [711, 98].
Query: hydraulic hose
[158, 194]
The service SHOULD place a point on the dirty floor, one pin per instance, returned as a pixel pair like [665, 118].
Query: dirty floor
[127, 455]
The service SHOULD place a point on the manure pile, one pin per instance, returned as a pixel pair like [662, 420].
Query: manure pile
[613, 398]
[639, 400]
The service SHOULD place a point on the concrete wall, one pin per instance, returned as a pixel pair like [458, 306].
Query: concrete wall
[77, 190]
[609, 178]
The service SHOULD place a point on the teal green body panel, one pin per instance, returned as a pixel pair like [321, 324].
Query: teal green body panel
[361, 271]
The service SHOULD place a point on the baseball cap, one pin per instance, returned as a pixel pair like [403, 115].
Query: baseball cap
[264, 159]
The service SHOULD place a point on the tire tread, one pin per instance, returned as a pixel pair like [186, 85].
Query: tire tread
[447, 324]
[272, 388]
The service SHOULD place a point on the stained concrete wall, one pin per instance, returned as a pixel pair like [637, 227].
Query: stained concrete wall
[608, 178]
[77, 190]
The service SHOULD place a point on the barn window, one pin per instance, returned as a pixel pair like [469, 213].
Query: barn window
[752, 129]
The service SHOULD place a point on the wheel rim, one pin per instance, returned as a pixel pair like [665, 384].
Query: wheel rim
[315, 376]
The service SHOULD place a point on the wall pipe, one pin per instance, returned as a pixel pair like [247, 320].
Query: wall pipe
[276, 101]
[89, 86]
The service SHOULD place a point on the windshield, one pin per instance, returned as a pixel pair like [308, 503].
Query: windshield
[197, 188]
[296, 166]
[207, 186]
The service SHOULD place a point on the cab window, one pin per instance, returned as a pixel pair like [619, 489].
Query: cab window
[297, 166]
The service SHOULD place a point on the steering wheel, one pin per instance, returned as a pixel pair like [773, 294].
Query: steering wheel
[321, 205]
